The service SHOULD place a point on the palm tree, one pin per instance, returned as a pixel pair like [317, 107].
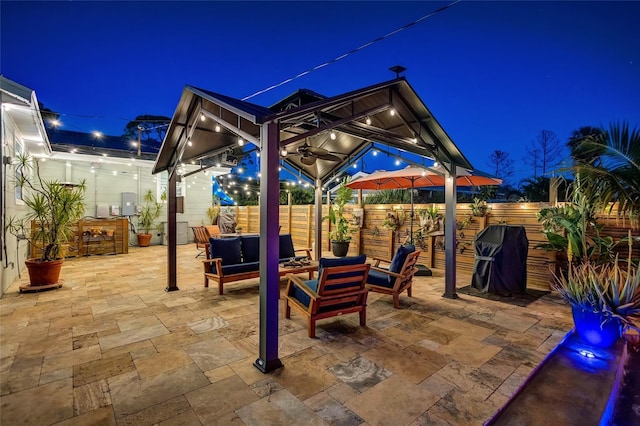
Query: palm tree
[615, 178]
[576, 148]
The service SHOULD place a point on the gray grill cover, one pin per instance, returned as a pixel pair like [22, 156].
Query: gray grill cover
[501, 259]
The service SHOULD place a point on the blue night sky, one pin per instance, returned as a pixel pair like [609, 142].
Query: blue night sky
[493, 73]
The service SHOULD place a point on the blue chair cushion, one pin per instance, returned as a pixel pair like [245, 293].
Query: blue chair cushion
[400, 257]
[229, 249]
[250, 248]
[340, 261]
[380, 278]
[301, 296]
[286, 247]
[240, 268]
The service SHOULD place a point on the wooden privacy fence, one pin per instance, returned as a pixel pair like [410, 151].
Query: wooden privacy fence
[373, 239]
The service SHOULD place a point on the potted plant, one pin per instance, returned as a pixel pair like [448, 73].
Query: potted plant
[54, 209]
[480, 209]
[603, 298]
[213, 213]
[151, 211]
[340, 229]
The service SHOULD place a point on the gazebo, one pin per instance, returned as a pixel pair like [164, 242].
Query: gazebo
[321, 137]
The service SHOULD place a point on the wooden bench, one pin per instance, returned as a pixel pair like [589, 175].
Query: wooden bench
[235, 259]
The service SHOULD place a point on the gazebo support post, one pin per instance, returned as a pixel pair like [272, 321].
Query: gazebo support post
[317, 244]
[450, 235]
[172, 254]
[269, 248]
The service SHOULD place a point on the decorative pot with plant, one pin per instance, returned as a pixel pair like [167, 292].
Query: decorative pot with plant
[480, 210]
[151, 210]
[54, 208]
[213, 213]
[340, 234]
[603, 297]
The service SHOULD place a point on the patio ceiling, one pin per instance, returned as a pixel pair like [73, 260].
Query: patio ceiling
[390, 113]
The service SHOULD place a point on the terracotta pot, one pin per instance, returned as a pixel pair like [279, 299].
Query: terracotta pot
[144, 240]
[44, 273]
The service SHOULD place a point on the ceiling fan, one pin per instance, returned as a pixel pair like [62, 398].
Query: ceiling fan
[309, 154]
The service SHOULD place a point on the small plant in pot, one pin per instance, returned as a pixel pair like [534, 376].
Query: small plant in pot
[54, 208]
[213, 213]
[604, 298]
[340, 234]
[151, 211]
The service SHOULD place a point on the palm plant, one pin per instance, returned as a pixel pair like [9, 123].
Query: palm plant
[615, 178]
[340, 225]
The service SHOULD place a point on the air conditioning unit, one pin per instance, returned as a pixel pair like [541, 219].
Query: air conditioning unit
[228, 160]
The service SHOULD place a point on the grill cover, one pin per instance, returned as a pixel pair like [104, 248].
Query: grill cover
[501, 260]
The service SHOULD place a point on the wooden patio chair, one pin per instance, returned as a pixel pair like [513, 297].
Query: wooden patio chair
[398, 277]
[213, 231]
[201, 238]
[338, 290]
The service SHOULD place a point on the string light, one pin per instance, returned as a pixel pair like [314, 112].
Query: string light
[392, 111]
[240, 142]
[202, 117]
[217, 128]
[332, 135]
[368, 120]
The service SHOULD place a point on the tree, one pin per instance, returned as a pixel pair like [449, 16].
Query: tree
[152, 128]
[544, 153]
[501, 165]
[577, 150]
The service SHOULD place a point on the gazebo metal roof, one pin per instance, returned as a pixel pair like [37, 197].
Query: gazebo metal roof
[397, 115]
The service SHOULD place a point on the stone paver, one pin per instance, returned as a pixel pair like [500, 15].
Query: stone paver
[112, 347]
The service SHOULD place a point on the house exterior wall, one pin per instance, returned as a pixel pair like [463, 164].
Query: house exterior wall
[15, 254]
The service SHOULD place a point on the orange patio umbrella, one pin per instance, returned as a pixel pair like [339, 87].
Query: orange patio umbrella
[417, 177]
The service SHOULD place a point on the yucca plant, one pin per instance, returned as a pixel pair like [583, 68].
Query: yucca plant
[53, 210]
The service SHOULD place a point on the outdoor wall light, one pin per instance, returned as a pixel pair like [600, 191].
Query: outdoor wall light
[332, 135]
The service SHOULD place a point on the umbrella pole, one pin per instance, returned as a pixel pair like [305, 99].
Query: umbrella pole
[411, 215]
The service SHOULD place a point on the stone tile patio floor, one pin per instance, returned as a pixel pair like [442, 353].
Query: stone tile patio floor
[111, 347]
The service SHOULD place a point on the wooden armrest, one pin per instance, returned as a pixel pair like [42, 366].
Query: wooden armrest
[301, 285]
[388, 272]
[378, 260]
[308, 250]
[215, 259]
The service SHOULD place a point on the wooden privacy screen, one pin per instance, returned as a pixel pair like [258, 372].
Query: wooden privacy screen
[96, 236]
[374, 240]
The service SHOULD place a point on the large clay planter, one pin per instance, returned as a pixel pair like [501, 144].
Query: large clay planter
[44, 273]
[592, 331]
[144, 240]
[339, 248]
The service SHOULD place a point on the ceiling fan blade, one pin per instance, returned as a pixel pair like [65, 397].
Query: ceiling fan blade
[328, 157]
[309, 161]
[317, 151]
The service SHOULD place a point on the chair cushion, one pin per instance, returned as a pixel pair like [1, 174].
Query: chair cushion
[340, 261]
[300, 295]
[240, 268]
[286, 247]
[400, 257]
[229, 249]
[380, 278]
[250, 248]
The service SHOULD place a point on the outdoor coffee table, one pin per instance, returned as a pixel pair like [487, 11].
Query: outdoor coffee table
[311, 267]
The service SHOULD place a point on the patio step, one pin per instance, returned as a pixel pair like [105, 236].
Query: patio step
[576, 384]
